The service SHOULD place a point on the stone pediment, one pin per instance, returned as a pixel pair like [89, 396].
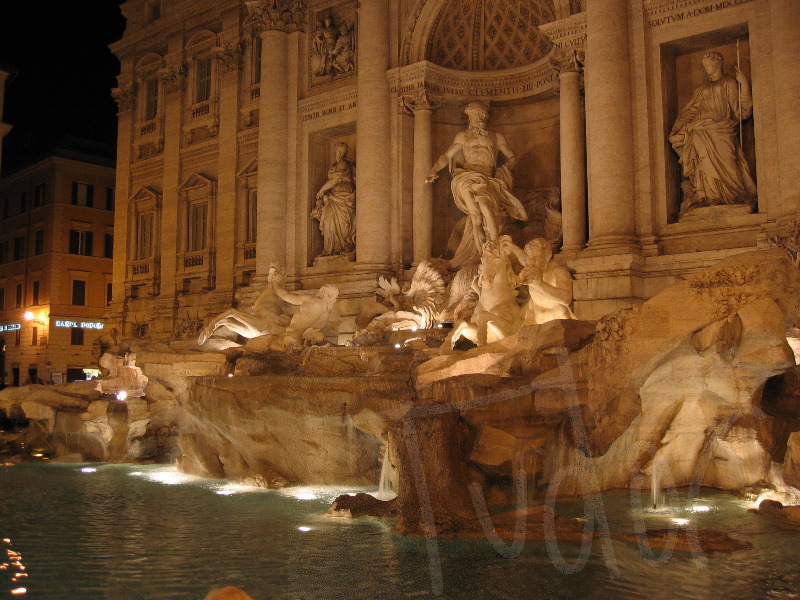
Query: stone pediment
[250, 169]
[145, 194]
[196, 181]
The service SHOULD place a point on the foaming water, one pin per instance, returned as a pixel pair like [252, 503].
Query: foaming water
[130, 532]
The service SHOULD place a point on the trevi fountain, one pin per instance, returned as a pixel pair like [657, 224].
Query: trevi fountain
[487, 387]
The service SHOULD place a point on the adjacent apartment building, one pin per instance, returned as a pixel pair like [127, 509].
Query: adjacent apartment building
[56, 244]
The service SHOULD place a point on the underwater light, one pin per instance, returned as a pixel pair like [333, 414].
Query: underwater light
[304, 529]
[121, 395]
[681, 521]
[700, 509]
[397, 346]
[88, 470]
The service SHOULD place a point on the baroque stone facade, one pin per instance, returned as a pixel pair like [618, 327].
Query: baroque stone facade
[231, 114]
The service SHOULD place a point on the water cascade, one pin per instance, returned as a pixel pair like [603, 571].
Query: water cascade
[385, 491]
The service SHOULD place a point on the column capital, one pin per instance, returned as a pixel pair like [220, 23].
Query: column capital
[420, 100]
[568, 61]
[287, 16]
[125, 96]
[173, 78]
[229, 56]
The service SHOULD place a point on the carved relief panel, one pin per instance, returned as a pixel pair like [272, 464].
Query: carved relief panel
[332, 42]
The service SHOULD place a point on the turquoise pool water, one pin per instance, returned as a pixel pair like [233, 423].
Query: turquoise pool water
[132, 532]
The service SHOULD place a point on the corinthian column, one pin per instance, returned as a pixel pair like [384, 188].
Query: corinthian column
[276, 19]
[784, 18]
[573, 152]
[422, 106]
[373, 167]
[609, 126]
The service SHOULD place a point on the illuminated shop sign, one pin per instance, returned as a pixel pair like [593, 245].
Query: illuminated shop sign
[80, 324]
[10, 327]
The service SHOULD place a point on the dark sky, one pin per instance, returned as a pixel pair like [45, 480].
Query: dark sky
[65, 73]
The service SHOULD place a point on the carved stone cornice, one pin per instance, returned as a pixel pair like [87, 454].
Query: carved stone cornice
[278, 15]
[568, 61]
[420, 100]
[229, 56]
[173, 78]
[125, 96]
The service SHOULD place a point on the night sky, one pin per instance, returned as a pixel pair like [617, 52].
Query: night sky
[65, 73]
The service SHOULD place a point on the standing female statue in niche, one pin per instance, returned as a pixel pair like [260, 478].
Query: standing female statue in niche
[336, 205]
[705, 138]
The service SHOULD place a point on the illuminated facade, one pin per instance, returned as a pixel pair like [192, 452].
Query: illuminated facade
[231, 113]
[56, 245]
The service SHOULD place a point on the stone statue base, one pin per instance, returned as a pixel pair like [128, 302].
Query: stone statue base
[706, 213]
[336, 258]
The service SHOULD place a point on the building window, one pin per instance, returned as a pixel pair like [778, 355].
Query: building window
[252, 217]
[153, 11]
[203, 80]
[109, 289]
[3, 253]
[78, 292]
[144, 236]
[19, 248]
[18, 296]
[17, 337]
[82, 194]
[80, 242]
[35, 336]
[198, 226]
[38, 242]
[110, 198]
[257, 60]
[76, 337]
[23, 202]
[38, 195]
[150, 99]
[108, 246]
[35, 292]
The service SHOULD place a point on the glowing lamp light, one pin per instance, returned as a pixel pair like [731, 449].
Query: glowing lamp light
[28, 315]
[397, 346]
[304, 529]
[121, 395]
[19, 591]
[414, 328]
[230, 374]
[88, 470]
[439, 326]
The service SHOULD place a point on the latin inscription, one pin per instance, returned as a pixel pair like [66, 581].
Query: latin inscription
[331, 110]
[695, 12]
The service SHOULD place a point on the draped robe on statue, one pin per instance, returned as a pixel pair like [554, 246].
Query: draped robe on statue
[713, 162]
[336, 211]
[497, 191]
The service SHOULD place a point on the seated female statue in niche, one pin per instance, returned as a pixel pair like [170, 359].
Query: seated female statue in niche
[705, 135]
[336, 205]
[480, 187]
